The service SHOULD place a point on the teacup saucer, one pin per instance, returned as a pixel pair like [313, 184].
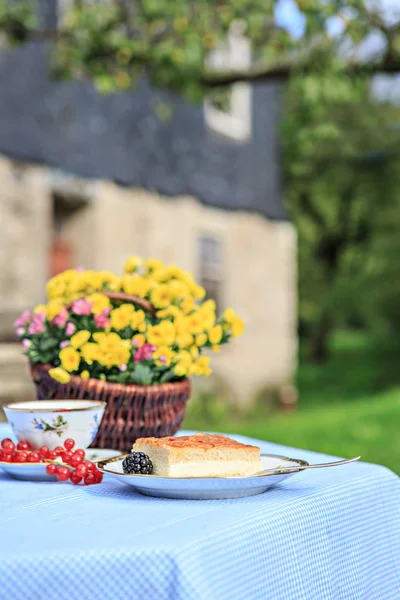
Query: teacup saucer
[37, 471]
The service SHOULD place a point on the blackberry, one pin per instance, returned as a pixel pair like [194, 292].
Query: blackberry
[137, 463]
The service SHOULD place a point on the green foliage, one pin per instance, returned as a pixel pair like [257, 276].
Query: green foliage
[348, 406]
[113, 43]
[341, 149]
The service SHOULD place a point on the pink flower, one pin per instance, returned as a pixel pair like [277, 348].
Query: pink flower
[26, 343]
[23, 319]
[102, 321]
[64, 344]
[60, 319]
[145, 352]
[20, 331]
[70, 329]
[37, 324]
[82, 307]
[162, 359]
[80, 269]
[122, 368]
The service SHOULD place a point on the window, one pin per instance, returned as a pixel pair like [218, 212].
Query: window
[211, 267]
[228, 111]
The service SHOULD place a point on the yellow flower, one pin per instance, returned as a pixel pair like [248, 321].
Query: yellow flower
[162, 334]
[171, 311]
[132, 264]
[111, 342]
[188, 304]
[55, 287]
[79, 339]
[201, 366]
[70, 359]
[120, 317]
[201, 339]
[60, 375]
[84, 375]
[237, 327]
[142, 327]
[138, 340]
[175, 272]
[109, 280]
[208, 306]
[235, 322]
[92, 280]
[215, 334]
[198, 292]
[195, 323]
[90, 352]
[99, 336]
[184, 339]
[215, 348]
[229, 315]
[40, 308]
[99, 302]
[161, 296]
[194, 351]
[137, 318]
[121, 356]
[183, 365]
[53, 308]
[164, 354]
[153, 264]
[135, 285]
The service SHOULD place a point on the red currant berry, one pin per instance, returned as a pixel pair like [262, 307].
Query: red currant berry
[7, 458]
[77, 459]
[66, 457]
[75, 478]
[52, 455]
[51, 469]
[69, 444]
[90, 479]
[34, 457]
[63, 473]
[81, 470]
[90, 466]
[59, 450]
[8, 446]
[44, 451]
[23, 445]
[22, 457]
[99, 476]
[80, 452]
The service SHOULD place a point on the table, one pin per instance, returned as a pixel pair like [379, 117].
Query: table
[329, 534]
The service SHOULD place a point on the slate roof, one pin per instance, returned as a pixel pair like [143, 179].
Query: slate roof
[71, 126]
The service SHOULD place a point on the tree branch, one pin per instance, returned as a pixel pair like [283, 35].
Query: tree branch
[283, 69]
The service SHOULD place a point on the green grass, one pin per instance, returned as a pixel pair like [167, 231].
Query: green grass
[348, 406]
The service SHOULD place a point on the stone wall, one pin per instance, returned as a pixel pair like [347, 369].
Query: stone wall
[24, 239]
[258, 262]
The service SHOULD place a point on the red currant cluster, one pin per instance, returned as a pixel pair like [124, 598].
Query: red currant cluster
[79, 470]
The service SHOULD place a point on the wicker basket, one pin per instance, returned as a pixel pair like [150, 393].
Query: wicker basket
[132, 411]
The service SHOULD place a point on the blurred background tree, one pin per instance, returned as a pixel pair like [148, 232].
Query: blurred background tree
[341, 150]
[340, 144]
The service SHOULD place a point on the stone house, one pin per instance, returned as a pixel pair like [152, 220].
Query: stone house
[88, 180]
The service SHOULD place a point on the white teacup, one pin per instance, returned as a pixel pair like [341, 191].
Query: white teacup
[51, 422]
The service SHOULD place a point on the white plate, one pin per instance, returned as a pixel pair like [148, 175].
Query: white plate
[202, 488]
[37, 471]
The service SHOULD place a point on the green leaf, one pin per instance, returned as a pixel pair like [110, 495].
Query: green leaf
[142, 375]
[168, 376]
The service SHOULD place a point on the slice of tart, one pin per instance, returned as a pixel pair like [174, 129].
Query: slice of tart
[200, 455]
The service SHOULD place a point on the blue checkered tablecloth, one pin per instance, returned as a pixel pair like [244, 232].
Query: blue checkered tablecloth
[329, 534]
